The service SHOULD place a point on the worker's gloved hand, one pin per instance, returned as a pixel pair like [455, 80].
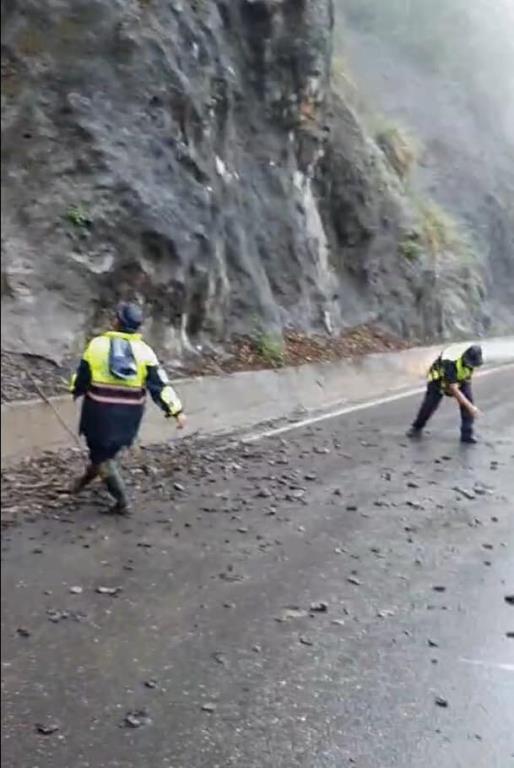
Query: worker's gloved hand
[476, 412]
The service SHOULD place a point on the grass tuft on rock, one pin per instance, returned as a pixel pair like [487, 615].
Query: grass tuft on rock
[400, 147]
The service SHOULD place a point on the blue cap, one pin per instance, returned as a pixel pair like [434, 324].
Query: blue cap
[130, 317]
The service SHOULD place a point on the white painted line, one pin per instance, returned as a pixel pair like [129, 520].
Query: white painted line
[353, 409]
[493, 664]
[332, 415]
[496, 369]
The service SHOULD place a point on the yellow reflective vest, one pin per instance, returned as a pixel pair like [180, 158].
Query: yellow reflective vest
[450, 360]
[104, 387]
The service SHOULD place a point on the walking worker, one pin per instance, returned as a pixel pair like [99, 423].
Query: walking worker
[451, 375]
[114, 374]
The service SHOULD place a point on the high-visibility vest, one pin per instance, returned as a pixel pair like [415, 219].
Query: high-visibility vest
[107, 388]
[454, 355]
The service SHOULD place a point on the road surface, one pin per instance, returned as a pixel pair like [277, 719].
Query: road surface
[331, 596]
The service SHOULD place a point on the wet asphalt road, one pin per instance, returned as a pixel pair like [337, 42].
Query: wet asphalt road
[214, 640]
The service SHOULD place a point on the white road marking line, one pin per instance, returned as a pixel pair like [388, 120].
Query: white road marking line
[252, 437]
[495, 665]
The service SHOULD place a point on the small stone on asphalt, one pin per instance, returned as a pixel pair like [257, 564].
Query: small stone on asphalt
[318, 607]
[108, 590]
[136, 719]
[464, 492]
[47, 728]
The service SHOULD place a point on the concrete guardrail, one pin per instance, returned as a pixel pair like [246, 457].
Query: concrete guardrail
[216, 404]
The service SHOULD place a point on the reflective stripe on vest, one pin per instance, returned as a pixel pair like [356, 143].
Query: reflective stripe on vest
[119, 395]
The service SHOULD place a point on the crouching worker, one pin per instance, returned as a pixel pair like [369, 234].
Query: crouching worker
[114, 374]
[451, 375]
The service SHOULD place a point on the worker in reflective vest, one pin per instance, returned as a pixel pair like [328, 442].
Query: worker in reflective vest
[114, 374]
[451, 375]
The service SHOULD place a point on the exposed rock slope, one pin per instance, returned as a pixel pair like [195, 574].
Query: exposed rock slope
[190, 153]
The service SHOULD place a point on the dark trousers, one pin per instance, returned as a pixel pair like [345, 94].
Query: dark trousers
[432, 400]
[98, 452]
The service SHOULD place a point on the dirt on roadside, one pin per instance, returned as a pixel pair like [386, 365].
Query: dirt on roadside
[19, 372]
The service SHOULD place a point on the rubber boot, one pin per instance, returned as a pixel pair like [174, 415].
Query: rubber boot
[115, 486]
[92, 471]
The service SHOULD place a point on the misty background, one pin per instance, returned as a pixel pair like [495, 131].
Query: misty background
[443, 70]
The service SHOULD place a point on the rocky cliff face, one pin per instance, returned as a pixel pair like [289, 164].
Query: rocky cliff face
[189, 153]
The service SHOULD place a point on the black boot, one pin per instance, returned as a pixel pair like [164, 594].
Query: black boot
[89, 475]
[414, 432]
[116, 488]
[469, 440]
